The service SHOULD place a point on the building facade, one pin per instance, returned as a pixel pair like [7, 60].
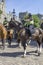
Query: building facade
[2, 9]
[4, 14]
[22, 14]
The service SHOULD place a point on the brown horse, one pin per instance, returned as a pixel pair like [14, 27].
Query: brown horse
[4, 34]
[38, 36]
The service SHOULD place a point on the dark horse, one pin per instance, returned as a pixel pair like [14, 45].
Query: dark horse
[23, 34]
[23, 37]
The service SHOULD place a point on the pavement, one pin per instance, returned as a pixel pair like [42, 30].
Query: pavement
[13, 55]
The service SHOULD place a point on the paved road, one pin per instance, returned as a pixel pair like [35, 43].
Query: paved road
[14, 55]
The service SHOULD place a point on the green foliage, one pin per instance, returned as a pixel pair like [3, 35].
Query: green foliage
[36, 25]
[0, 12]
[36, 20]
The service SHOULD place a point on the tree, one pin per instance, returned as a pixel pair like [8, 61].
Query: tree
[0, 11]
[36, 20]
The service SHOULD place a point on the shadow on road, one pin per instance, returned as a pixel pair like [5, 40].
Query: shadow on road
[17, 54]
[32, 53]
[13, 46]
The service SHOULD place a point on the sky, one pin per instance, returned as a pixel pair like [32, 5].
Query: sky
[32, 6]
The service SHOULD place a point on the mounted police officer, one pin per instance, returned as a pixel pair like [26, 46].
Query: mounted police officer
[5, 23]
[29, 24]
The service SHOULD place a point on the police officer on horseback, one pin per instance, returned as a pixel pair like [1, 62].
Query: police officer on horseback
[5, 23]
[30, 24]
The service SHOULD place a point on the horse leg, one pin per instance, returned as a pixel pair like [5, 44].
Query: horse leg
[9, 41]
[40, 44]
[19, 43]
[24, 47]
[24, 51]
[3, 43]
[39, 48]
[29, 41]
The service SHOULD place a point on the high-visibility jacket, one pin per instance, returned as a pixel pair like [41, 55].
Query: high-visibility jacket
[32, 22]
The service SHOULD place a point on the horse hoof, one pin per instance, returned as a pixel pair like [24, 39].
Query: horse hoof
[19, 47]
[39, 54]
[24, 55]
[36, 51]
